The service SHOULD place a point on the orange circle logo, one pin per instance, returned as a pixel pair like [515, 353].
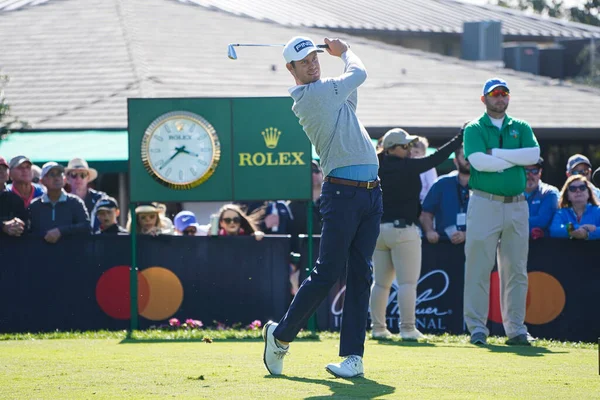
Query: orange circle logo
[160, 293]
[545, 298]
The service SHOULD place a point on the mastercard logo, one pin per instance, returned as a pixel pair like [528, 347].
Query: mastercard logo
[160, 293]
[545, 298]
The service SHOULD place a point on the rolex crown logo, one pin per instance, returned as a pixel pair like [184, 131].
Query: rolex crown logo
[271, 136]
[179, 126]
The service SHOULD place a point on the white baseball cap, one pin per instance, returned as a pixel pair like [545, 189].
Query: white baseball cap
[299, 47]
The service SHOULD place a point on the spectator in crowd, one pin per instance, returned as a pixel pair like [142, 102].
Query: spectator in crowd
[298, 224]
[13, 215]
[275, 217]
[445, 206]
[398, 247]
[234, 222]
[597, 177]
[578, 216]
[21, 176]
[498, 148]
[57, 213]
[107, 212]
[186, 224]
[148, 221]
[578, 164]
[542, 199]
[36, 172]
[79, 175]
[419, 150]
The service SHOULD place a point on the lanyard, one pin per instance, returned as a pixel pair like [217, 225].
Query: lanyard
[463, 195]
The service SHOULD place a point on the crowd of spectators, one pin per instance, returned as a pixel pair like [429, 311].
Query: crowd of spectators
[34, 201]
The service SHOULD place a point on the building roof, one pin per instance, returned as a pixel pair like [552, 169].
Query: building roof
[73, 64]
[408, 16]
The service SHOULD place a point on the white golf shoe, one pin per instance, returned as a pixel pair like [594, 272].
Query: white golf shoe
[381, 335]
[274, 353]
[351, 367]
[415, 334]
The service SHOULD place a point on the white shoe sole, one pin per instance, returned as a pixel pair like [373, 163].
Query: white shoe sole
[344, 377]
[264, 335]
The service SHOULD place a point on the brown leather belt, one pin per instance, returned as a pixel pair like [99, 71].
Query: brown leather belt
[501, 199]
[348, 182]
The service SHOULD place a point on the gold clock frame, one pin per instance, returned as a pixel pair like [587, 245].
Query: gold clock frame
[212, 134]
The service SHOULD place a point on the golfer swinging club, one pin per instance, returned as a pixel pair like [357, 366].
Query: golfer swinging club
[350, 203]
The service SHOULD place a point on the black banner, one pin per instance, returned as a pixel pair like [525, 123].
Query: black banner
[63, 286]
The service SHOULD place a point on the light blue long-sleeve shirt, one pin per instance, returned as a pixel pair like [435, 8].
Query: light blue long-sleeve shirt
[543, 203]
[326, 109]
[562, 217]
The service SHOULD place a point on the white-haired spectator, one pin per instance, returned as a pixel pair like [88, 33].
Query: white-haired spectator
[36, 172]
[57, 213]
[22, 180]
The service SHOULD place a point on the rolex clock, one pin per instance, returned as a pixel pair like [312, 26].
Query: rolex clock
[180, 150]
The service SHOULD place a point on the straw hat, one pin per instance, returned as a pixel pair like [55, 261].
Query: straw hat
[79, 164]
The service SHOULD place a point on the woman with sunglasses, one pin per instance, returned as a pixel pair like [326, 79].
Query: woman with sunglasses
[398, 249]
[234, 222]
[578, 214]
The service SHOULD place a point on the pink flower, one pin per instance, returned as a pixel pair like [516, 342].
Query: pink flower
[255, 325]
[174, 322]
[194, 323]
[220, 326]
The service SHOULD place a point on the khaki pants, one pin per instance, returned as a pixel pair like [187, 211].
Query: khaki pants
[490, 222]
[397, 255]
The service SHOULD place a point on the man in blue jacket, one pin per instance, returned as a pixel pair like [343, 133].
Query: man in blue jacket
[57, 213]
[542, 199]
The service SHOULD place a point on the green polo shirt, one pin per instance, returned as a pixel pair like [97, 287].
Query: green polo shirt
[482, 135]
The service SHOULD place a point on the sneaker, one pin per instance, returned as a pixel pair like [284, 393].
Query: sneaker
[351, 367]
[384, 334]
[521, 340]
[412, 335]
[479, 338]
[274, 353]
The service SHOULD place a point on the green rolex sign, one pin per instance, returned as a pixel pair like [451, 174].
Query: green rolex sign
[217, 149]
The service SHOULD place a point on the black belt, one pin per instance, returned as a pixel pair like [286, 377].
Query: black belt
[399, 222]
[348, 182]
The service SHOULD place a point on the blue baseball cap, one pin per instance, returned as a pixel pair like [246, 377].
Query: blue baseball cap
[185, 219]
[492, 84]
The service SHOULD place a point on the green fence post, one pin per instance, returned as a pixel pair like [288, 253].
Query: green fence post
[133, 281]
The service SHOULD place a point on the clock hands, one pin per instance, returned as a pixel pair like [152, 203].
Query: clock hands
[178, 150]
[183, 150]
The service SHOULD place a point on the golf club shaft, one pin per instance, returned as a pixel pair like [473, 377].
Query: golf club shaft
[321, 46]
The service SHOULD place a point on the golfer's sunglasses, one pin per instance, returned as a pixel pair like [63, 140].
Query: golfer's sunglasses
[498, 92]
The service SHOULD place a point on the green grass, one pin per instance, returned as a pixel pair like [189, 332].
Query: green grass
[183, 364]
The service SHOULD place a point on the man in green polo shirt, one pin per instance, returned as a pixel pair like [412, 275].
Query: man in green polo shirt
[498, 147]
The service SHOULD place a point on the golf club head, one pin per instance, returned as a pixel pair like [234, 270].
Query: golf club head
[231, 52]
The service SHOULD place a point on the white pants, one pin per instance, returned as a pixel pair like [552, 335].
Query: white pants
[397, 255]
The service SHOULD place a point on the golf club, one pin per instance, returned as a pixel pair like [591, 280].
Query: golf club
[232, 54]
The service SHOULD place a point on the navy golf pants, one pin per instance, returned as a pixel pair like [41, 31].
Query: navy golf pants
[351, 218]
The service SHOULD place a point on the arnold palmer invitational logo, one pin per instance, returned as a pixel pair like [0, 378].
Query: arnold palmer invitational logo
[271, 137]
[430, 313]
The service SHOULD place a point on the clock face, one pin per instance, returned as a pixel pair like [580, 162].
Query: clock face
[180, 150]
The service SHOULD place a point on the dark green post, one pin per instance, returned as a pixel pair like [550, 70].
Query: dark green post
[133, 281]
